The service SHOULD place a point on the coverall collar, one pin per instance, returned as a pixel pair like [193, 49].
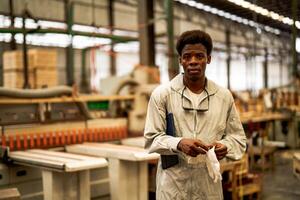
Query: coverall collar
[177, 85]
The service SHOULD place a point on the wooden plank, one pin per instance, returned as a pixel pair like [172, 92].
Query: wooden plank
[43, 156]
[35, 162]
[106, 122]
[62, 154]
[40, 158]
[112, 151]
[9, 194]
[83, 98]
[86, 164]
[135, 142]
[263, 117]
[43, 128]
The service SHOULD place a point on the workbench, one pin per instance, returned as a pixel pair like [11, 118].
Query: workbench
[65, 175]
[128, 168]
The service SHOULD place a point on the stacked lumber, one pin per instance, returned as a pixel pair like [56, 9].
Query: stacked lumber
[41, 68]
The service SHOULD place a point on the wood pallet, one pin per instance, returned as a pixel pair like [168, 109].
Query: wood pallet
[38, 78]
[37, 58]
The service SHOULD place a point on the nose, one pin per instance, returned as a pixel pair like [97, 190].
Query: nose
[194, 60]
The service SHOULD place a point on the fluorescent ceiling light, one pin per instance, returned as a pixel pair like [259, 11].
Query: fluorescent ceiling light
[264, 11]
[232, 17]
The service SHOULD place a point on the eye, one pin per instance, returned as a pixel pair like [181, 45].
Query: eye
[199, 56]
[186, 56]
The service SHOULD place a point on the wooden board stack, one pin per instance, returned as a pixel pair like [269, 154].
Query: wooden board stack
[41, 68]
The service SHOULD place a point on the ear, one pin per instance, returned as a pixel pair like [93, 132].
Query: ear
[180, 60]
[208, 59]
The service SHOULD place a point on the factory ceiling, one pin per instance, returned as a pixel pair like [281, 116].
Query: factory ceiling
[283, 8]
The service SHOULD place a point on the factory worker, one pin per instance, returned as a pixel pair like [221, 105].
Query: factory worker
[205, 118]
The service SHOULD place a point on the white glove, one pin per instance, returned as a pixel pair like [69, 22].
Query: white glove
[213, 165]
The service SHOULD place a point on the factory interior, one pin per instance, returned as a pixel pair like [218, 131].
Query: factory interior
[76, 77]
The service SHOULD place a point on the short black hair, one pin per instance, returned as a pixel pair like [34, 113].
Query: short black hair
[194, 37]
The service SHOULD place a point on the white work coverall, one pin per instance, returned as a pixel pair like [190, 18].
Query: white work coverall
[215, 119]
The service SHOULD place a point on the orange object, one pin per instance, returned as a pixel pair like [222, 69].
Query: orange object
[74, 136]
[38, 140]
[80, 136]
[45, 140]
[113, 135]
[3, 141]
[25, 141]
[11, 143]
[110, 133]
[91, 135]
[57, 138]
[85, 132]
[51, 139]
[68, 137]
[18, 142]
[95, 131]
[103, 134]
[122, 132]
[63, 138]
[125, 132]
[31, 141]
[100, 134]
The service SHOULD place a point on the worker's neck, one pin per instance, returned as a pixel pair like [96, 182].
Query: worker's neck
[196, 86]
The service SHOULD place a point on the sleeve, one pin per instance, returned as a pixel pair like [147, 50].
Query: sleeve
[156, 139]
[235, 138]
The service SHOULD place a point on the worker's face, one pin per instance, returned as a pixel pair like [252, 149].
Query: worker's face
[193, 60]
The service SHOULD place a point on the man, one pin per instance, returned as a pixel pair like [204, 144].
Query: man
[204, 116]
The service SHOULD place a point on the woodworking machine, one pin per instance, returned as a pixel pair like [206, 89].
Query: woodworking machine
[46, 118]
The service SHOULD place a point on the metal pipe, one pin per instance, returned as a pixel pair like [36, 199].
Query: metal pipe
[26, 84]
[173, 63]
[116, 38]
[295, 72]
[13, 45]
[84, 83]
[228, 60]
[69, 48]
[265, 65]
[111, 24]
[146, 33]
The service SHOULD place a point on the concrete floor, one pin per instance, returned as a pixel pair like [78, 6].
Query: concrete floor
[281, 184]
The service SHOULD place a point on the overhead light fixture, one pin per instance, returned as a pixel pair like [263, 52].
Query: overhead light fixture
[238, 19]
[264, 11]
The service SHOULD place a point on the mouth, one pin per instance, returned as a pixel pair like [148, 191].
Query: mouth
[194, 71]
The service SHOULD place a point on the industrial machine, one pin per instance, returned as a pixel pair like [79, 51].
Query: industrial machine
[51, 119]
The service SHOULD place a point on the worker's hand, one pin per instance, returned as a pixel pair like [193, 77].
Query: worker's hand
[220, 150]
[192, 147]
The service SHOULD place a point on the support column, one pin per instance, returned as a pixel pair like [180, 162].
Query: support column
[281, 66]
[265, 65]
[295, 72]
[111, 24]
[26, 84]
[173, 61]
[84, 85]
[128, 179]
[69, 48]
[146, 33]
[70, 185]
[228, 59]
[13, 45]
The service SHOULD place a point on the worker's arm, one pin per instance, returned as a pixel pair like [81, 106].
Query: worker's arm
[155, 126]
[235, 138]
